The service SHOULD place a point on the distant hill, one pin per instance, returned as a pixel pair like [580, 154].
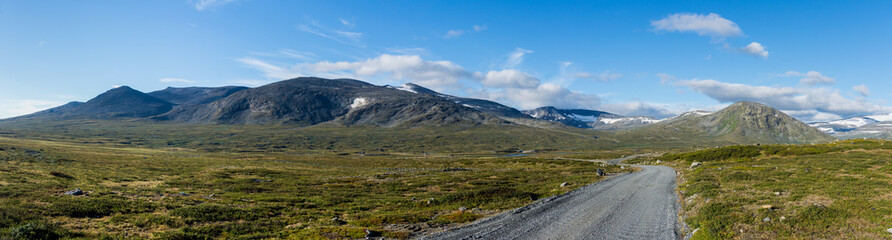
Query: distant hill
[584, 118]
[311, 101]
[740, 123]
[873, 126]
[120, 102]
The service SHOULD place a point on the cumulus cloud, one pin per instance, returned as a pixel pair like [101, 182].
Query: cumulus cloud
[409, 67]
[637, 108]
[509, 86]
[479, 28]
[509, 79]
[202, 5]
[18, 107]
[812, 115]
[515, 58]
[546, 94]
[862, 89]
[810, 77]
[176, 80]
[784, 98]
[755, 49]
[712, 25]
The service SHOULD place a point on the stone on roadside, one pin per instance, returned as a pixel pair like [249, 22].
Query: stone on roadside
[75, 192]
[564, 184]
[601, 172]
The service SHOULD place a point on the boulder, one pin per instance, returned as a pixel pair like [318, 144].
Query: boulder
[696, 164]
[601, 172]
[766, 219]
[371, 234]
[75, 192]
[564, 184]
[889, 230]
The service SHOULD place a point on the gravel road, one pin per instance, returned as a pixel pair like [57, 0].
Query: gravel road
[640, 205]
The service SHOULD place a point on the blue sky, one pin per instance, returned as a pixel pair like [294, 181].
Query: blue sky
[815, 60]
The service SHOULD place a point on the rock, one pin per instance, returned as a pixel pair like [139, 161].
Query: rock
[601, 172]
[783, 218]
[184, 194]
[75, 192]
[777, 193]
[622, 167]
[766, 219]
[696, 164]
[337, 221]
[889, 230]
[429, 201]
[564, 184]
[767, 206]
[462, 209]
[658, 161]
[371, 234]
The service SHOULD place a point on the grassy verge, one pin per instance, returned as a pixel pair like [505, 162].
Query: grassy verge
[841, 190]
[183, 193]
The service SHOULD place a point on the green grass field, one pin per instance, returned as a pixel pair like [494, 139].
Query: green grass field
[145, 191]
[841, 190]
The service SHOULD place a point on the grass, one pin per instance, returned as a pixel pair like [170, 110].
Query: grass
[840, 190]
[178, 192]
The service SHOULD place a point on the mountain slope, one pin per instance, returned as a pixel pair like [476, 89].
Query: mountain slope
[120, 102]
[194, 95]
[740, 123]
[486, 106]
[311, 101]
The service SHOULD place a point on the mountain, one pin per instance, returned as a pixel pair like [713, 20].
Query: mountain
[120, 102]
[310, 101]
[194, 95]
[843, 125]
[584, 118]
[486, 106]
[740, 123]
[874, 126]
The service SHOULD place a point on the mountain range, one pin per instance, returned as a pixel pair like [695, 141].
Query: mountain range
[309, 101]
[874, 126]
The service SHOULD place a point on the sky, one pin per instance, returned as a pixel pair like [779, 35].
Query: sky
[814, 60]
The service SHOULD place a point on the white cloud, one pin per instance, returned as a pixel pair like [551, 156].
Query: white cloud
[176, 80]
[755, 49]
[479, 28]
[202, 5]
[784, 98]
[862, 89]
[345, 37]
[270, 70]
[510, 86]
[546, 94]
[347, 23]
[639, 109]
[454, 33]
[509, 79]
[665, 78]
[42, 43]
[515, 58]
[409, 67]
[605, 76]
[704, 25]
[812, 115]
[287, 53]
[18, 107]
[810, 77]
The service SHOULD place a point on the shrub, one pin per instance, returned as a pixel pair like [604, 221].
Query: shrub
[216, 213]
[78, 207]
[36, 230]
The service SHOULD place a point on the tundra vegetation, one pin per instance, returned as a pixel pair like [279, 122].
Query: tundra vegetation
[139, 185]
[840, 190]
